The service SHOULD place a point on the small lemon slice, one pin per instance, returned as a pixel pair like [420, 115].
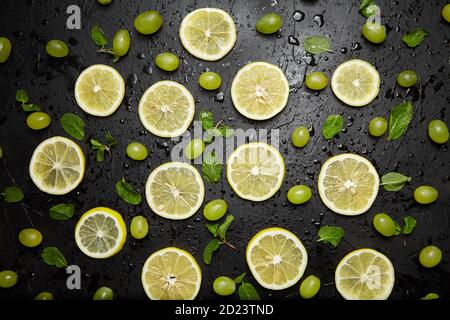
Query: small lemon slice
[356, 82]
[259, 90]
[365, 274]
[171, 274]
[348, 184]
[276, 258]
[208, 33]
[100, 233]
[99, 90]
[166, 109]
[57, 165]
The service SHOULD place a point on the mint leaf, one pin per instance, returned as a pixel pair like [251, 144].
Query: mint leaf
[430, 296]
[394, 181]
[224, 227]
[127, 193]
[73, 125]
[248, 292]
[368, 8]
[210, 134]
[239, 278]
[31, 107]
[53, 257]
[100, 147]
[331, 235]
[207, 119]
[210, 248]
[13, 194]
[415, 37]
[399, 119]
[21, 96]
[213, 228]
[226, 131]
[62, 211]
[98, 36]
[333, 126]
[317, 44]
[409, 224]
[95, 144]
[211, 168]
[398, 229]
[111, 140]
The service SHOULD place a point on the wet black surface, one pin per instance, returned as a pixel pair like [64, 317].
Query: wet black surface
[49, 82]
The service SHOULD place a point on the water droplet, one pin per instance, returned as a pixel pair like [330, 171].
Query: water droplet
[132, 80]
[293, 40]
[219, 97]
[343, 50]
[310, 60]
[318, 19]
[356, 46]
[148, 69]
[298, 15]
[141, 55]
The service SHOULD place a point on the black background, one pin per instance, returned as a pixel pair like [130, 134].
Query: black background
[49, 82]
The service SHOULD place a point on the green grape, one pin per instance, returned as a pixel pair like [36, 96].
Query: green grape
[167, 61]
[224, 286]
[438, 131]
[1, 152]
[430, 256]
[38, 120]
[300, 136]
[215, 209]
[30, 238]
[269, 23]
[5, 49]
[374, 32]
[194, 148]
[44, 296]
[139, 227]
[425, 194]
[104, 1]
[299, 194]
[209, 80]
[103, 293]
[446, 12]
[407, 78]
[378, 126]
[137, 151]
[309, 287]
[384, 224]
[316, 80]
[148, 22]
[8, 278]
[57, 48]
[121, 42]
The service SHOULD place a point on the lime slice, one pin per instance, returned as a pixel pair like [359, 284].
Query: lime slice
[365, 274]
[208, 33]
[171, 274]
[348, 184]
[100, 233]
[276, 258]
[57, 165]
[260, 90]
[166, 109]
[99, 90]
[175, 190]
[255, 171]
[355, 82]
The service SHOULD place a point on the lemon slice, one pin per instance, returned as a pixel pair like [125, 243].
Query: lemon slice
[255, 171]
[100, 233]
[348, 184]
[355, 82]
[208, 33]
[57, 165]
[166, 109]
[276, 258]
[171, 274]
[175, 190]
[365, 274]
[99, 90]
[259, 90]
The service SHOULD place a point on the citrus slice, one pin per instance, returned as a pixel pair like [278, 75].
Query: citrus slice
[175, 190]
[166, 109]
[171, 274]
[276, 258]
[208, 33]
[365, 274]
[259, 90]
[57, 165]
[355, 82]
[100, 233]
[255, 171]
[99, 90]
[348, 184]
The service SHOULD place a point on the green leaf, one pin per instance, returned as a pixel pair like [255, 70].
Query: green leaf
[62, 211]
[207, 119]
[211, 168]
[213, 228]
[111, 140]
[399, 119]
[226, 131]
[398, 229]
[210, 248]
[368, 8]
[224, 227]
[317, 44]
[98, 36]
[248, 292]
[95, 144]
[53, 257]
[239, 278]
[210, 134]
[31, 107]
[430, 296]
[331, 235]
[21, 96]
[333, 126]
[394, 181]
[100, 155]
[127, 193]
[73, 125]
[409, 224]
[13, 194]
[415, 37]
